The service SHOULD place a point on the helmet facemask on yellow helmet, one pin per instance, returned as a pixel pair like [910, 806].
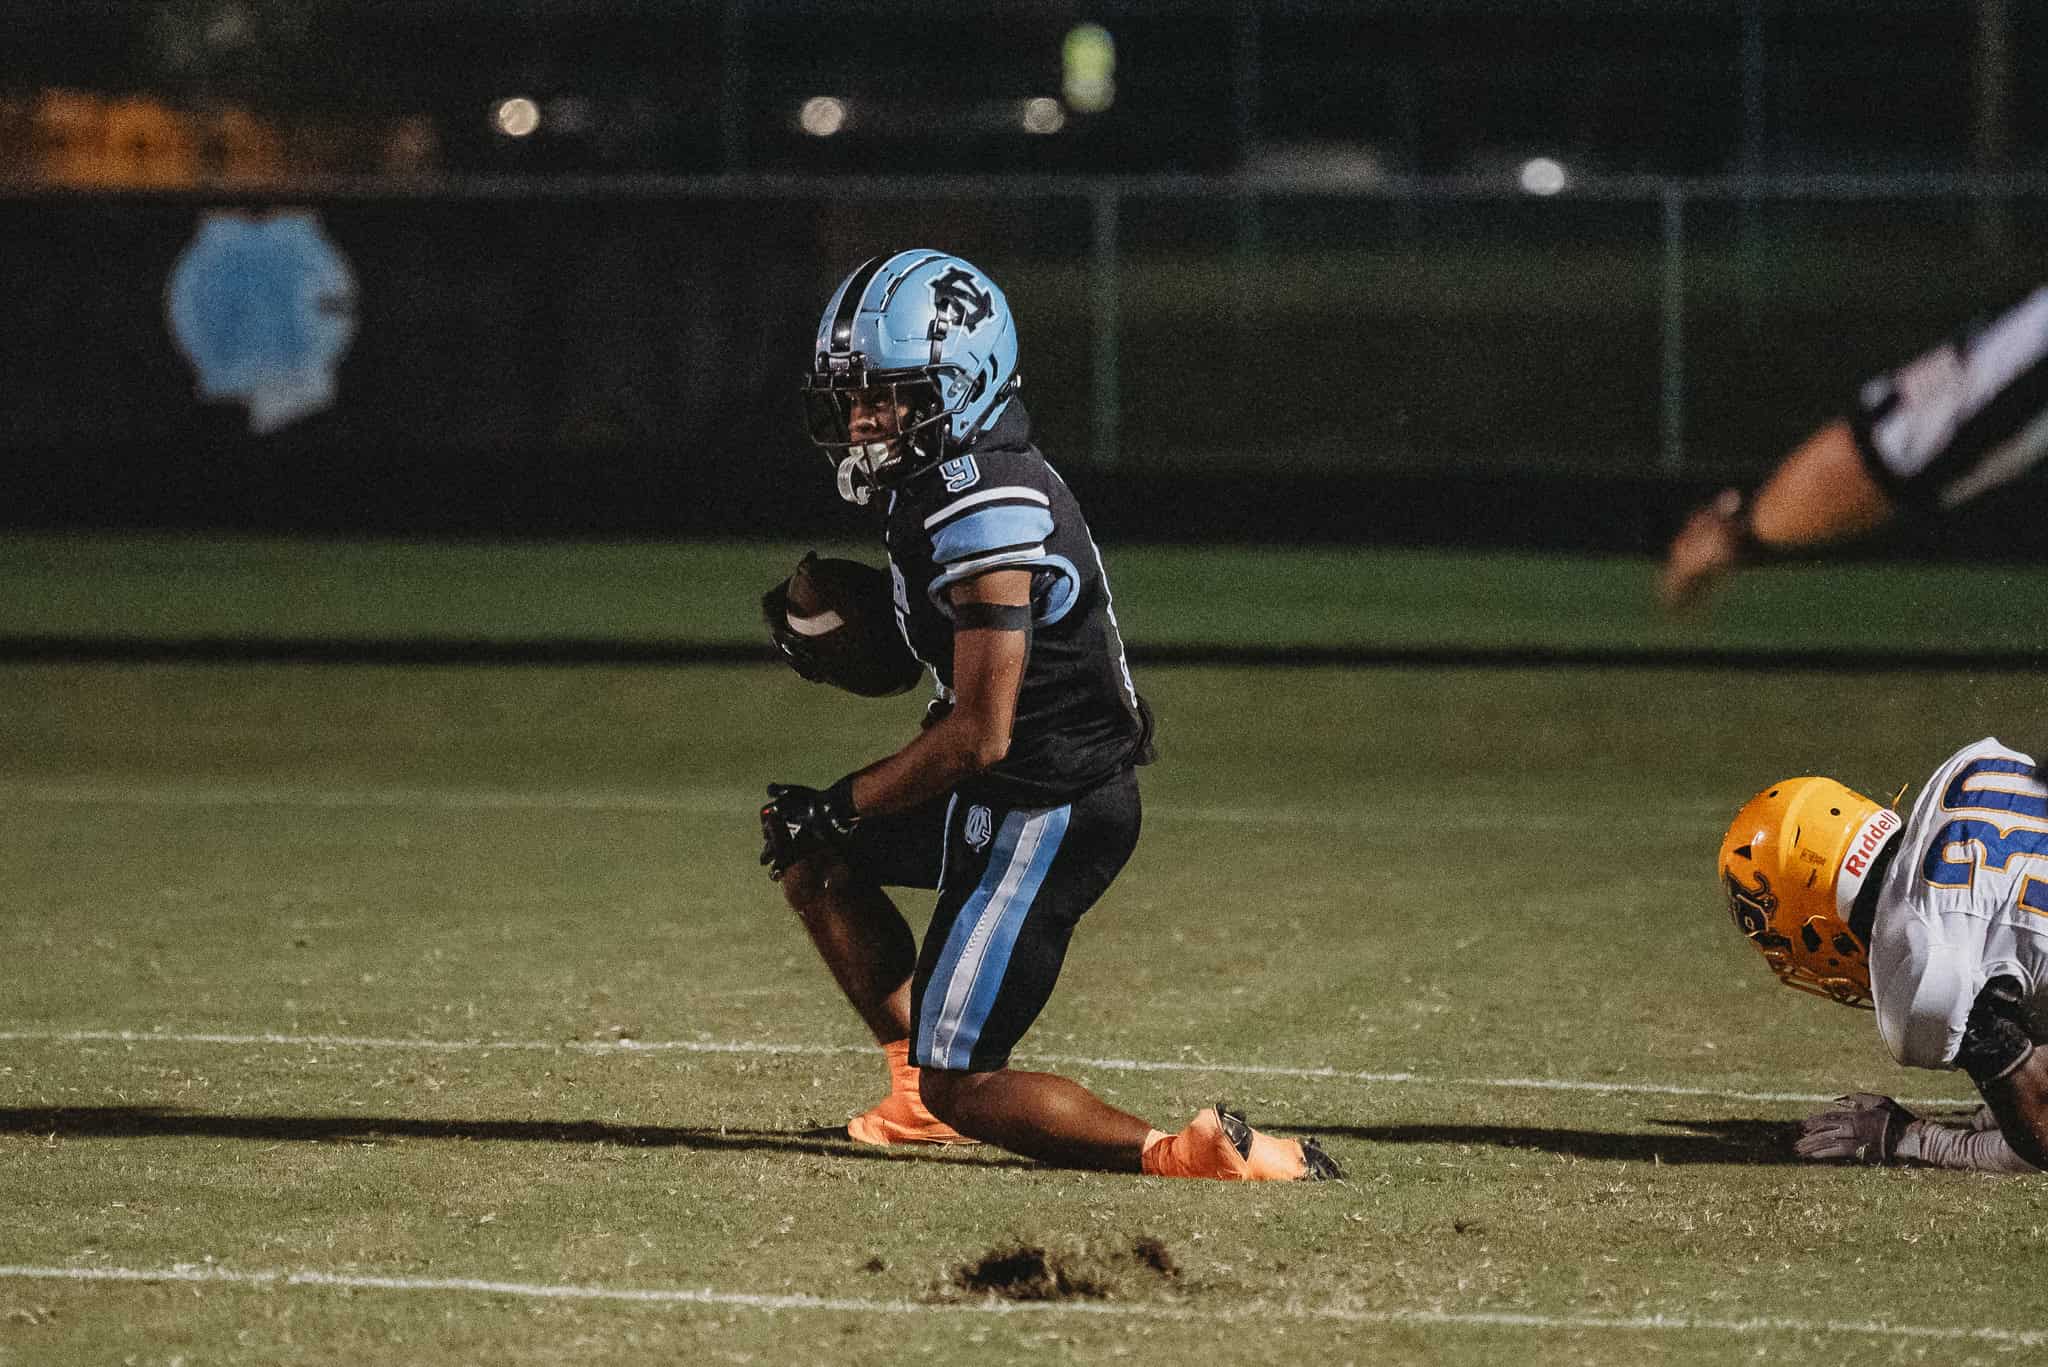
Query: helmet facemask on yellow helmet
[1792, 863]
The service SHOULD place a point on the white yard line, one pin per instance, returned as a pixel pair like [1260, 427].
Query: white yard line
[723, 803]
[1067, 1061]
[743, 1300]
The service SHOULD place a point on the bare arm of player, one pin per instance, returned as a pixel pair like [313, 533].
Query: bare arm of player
[1821, 492]
[988, 670]
[2020, 1101]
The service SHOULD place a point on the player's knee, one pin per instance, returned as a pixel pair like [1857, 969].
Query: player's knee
[938, 1087]
[946, 1091]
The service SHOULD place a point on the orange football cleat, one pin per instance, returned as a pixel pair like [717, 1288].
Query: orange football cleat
[1218, 1144]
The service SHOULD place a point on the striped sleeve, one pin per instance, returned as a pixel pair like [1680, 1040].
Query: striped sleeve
[988, 529]
[1964, 418]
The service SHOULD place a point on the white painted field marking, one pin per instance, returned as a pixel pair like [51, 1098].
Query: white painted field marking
[1070, 1061]
[1468, 1319]
[728, 802]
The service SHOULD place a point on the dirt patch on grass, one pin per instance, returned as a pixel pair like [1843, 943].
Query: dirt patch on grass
[1095, 1271]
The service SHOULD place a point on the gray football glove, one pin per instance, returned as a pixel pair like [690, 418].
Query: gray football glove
[1861, 1127]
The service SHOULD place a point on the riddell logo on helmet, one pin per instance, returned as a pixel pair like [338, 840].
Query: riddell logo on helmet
[1870, 842]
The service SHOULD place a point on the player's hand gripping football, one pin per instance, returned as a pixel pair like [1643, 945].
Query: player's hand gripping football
[798, 649]
[834, 622]
[1861, 1127]
[797, 821]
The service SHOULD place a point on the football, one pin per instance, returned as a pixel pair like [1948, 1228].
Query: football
[806, 609]
[834, 621]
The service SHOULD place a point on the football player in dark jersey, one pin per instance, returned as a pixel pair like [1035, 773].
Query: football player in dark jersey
[1018, 800]
[1969, 415]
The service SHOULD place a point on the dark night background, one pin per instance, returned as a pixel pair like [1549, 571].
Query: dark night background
[1287, 282]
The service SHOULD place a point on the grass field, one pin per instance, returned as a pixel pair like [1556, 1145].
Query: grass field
[182, 588]
[442, 1015]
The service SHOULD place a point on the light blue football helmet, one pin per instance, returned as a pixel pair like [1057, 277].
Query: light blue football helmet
[916, 355]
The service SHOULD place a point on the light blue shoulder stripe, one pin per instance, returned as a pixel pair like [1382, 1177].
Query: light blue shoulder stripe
[1058, 603]
[991, 529]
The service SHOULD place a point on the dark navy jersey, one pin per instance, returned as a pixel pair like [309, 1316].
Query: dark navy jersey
[1000, 506]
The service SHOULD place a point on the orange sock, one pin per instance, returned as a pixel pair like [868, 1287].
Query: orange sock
[902, 1075]
[1203, 1149]
[902, 1117]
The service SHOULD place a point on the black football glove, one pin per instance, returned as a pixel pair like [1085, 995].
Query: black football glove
[797, 821]
[1861, 1127]
[1996, 1040]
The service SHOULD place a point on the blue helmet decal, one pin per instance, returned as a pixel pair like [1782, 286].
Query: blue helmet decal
[937, 329]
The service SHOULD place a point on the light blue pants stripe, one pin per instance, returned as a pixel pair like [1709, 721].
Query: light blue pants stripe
[969, 975]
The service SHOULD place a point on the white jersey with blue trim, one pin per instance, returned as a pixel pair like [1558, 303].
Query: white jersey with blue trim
[999, 505]
[1967, 416]
[1965, 901]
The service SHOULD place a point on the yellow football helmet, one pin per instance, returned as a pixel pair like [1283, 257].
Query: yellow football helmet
[1792, 863]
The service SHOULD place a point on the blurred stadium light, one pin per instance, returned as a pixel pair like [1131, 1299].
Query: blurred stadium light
[517, 117]
[1089, 57]
[1661, 87]
[821, 116]
[1041, 115]
[1543, 176]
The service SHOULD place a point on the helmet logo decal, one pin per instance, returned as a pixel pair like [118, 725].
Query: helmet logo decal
[1751, 907]
[1875, 832]
[958, 299]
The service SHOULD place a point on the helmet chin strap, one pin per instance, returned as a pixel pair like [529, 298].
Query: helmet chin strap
[858, 479]
[856, 485]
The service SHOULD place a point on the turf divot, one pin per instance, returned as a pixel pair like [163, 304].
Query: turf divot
[1095, 1271]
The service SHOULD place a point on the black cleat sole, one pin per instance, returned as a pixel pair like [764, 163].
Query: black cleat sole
[1237, 1129]
[1321, 1167]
